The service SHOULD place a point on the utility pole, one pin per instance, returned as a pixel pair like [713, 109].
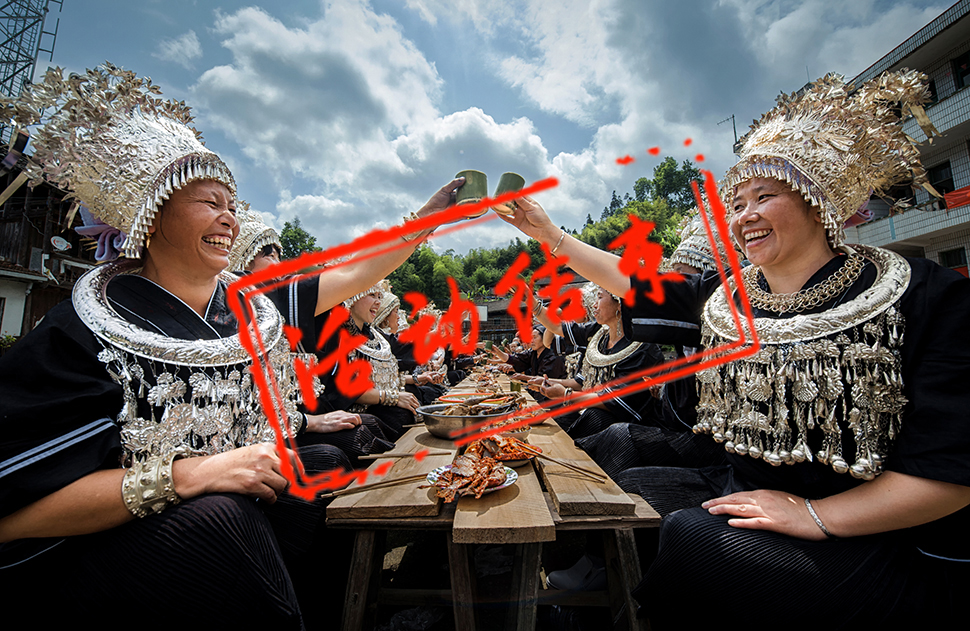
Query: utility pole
[735, 127]
[22, 33]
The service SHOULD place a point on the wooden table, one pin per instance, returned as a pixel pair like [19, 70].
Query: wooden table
[524, 515]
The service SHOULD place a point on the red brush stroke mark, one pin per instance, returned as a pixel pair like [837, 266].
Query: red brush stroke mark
[522, 300]
[383, 468]
[420, 455]
[293, 335]
[654, 151]
[687, 141]
[641, 258]
[353, 376]
[699, 157]
[428, 334]
[378, 242]
[564, 304]
[627, 159]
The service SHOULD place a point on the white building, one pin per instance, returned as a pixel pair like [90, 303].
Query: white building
[936, 229]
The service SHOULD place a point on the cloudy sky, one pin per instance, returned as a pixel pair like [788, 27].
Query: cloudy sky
[348, 114]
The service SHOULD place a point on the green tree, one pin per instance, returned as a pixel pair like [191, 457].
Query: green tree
[296, 240]
[616, 204]
[672, 184]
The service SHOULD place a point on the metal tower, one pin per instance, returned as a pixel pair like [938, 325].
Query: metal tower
[23, 40]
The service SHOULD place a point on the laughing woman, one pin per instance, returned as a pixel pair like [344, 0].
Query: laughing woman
[844, 501]
[137, 468]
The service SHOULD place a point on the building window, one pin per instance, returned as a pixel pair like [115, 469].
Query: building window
[941, 178]
[955, 259]
[961, 70]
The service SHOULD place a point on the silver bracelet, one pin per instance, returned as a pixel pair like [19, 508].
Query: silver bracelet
[811, 511]
[148, 487]
[556, 249]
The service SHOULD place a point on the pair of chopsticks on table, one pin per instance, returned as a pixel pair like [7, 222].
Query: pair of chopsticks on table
[375, 485]
[402, 454]
[598, 477]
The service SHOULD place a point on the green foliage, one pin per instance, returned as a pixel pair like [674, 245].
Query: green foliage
[601, 233]
[671, 184]
[616, 204]
[663, 199]
[296, 240]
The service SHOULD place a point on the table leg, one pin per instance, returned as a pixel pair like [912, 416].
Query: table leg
[525, 587]
[623, 574]
[360, 579]
[462, 584]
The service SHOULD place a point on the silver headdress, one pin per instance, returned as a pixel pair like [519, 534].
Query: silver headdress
[116, 146]
[388, 303]
[837, 147]
[589, 299]
[376, 289]
[254, 235]
[695, 247]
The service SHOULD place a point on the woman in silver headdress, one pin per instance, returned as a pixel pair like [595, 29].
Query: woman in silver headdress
[134, 443]
[845, 500]
[609, 355]
[385, 400]
[257, 248]
[424, 382]
[664, 438]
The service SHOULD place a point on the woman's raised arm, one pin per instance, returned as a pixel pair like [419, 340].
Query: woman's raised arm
[349, 280]
[596, 265]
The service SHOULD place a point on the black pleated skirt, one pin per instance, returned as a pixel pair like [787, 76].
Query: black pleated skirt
[218, 561]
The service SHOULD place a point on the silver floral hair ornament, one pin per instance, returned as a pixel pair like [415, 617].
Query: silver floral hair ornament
[837, 146]
[107, 138]
[695, 246]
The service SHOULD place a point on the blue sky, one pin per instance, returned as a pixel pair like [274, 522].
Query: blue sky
[348, 114]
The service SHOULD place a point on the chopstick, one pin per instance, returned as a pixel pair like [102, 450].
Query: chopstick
[599, 477]
[413, 425]
[375, 485]
[400, 454]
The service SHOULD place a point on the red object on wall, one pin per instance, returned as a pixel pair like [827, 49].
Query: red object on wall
[959, 197]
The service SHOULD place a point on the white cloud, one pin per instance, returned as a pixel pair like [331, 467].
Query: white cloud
[346, 111]
[346, 106]
[422, 9]
[180, 50]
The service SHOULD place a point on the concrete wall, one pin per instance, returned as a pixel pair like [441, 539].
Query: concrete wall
[13, 309]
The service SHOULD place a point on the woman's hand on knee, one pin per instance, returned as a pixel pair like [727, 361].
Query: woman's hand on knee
[332, 422]
[767, 510]
[253, 470]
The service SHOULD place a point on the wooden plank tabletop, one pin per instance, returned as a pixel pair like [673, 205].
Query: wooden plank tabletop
[517, 514]
[574, 493]
[404, 500]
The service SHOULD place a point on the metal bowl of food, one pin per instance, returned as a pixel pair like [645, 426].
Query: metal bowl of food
[444, 425]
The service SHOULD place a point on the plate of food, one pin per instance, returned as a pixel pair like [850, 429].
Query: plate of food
[508, 450]
[471, 475]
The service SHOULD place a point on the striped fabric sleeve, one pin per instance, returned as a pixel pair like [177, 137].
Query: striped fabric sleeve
[677, 319]
[58, 407]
